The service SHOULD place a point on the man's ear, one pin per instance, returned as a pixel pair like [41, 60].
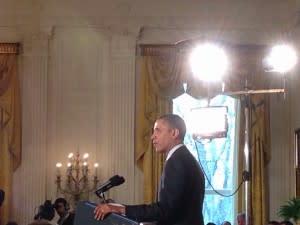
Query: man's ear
[175, 133]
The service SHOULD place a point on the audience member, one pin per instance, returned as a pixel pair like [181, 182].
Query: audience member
[241, 218]
[226, 223]
[273, 222]
[286, 222]
[11, 223]
[45, 214]
[210, 223]
[62, 208]
[2, 196]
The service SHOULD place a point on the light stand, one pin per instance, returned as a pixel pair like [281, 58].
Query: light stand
[246, 173]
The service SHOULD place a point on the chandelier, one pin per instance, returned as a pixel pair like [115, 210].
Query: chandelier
[77, 182]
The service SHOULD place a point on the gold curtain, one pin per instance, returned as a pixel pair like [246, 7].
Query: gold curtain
[10, 123]
[164, 70]
[259, 137]
[259, 144]
[158, 85]
[260, 153]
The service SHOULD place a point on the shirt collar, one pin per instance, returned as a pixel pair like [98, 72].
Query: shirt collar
[170, 153]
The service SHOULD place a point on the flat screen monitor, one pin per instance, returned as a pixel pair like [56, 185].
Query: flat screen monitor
[208, 122]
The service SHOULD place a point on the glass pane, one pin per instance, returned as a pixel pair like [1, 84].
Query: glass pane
[218, 209]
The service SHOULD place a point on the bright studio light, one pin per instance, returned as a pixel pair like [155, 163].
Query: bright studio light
[208, 62]
[282, 58]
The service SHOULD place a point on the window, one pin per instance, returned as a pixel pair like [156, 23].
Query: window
[217, 157]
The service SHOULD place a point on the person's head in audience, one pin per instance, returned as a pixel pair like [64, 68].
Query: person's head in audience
[273, 222]
[46, 211]
[241, 219]
[11, 223]
[61, 206]
[286, 222]
[210, 223]
[226, 223]
[2, 195]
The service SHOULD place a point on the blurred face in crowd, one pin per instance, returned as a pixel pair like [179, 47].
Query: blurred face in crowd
[60, 208]
[241, 220]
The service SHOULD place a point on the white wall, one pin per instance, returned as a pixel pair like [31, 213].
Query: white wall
[78, 91]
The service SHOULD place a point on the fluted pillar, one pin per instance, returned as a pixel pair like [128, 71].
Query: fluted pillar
[30, 178]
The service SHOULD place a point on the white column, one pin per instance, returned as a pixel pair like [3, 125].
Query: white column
[116, 125]
[29, 183]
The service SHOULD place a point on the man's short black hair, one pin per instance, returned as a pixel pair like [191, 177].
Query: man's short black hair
[286, 222]
[210, 223]
[11, 223]
[60, 200]
[46, 211]
[226, 222]
[273, 222]
[175, 121]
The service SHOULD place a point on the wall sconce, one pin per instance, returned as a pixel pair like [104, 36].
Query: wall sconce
[77, 182]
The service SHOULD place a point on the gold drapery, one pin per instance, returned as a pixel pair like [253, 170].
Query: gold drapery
[259, 144]
[157, 77]
[259, 139]
[164, 69]
[10, 123]
[162, 76]
[260, 154]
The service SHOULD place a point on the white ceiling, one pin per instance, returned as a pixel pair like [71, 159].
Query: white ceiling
[243, 19]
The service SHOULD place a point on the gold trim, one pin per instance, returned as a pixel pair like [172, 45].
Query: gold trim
[165, 49]
[9, 48]
[154, 50]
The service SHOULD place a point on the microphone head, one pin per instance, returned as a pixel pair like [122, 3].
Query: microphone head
[117, 180]
[113, 181]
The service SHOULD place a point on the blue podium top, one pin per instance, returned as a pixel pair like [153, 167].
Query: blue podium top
[85, 216]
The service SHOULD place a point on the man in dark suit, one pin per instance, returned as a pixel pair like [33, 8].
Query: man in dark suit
[62, 208]
[181, 191]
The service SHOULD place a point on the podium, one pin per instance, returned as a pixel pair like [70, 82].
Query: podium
[85, 216]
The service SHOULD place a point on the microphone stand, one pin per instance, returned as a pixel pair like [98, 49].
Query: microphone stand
[101, 195]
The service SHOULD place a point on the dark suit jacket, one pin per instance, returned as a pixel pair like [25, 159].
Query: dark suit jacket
[69, 220]
[181, 194]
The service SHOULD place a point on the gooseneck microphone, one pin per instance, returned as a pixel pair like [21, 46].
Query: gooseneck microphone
[113, 181]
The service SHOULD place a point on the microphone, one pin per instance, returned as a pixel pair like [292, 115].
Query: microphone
[113, 181]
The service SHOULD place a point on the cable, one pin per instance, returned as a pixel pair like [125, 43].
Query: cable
[245, 177]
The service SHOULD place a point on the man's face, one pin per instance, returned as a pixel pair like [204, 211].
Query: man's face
[163, 137]
[60, 209]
